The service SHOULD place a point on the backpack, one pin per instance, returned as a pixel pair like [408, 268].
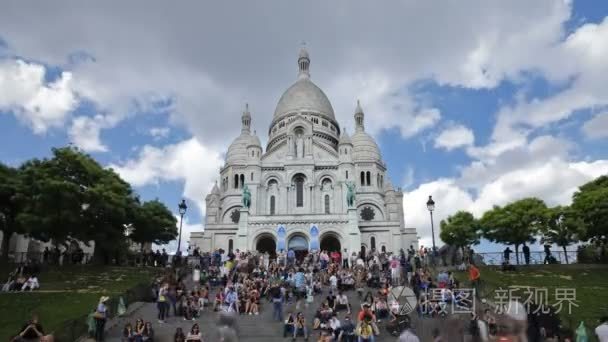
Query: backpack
[364, 330]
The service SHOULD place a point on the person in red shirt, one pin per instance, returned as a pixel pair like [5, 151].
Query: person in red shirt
[474, 277]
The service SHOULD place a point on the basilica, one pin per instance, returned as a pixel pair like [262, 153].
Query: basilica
[312, 187]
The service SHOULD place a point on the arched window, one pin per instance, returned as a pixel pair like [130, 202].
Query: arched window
[362, 178]
[242, 180]
[272, 205]
[372, 242]
[327, 204]
[299, 191]
[236, 181]
[252, 176]
[230, 245]
[369, 175]
[383, 248]
[346, 174]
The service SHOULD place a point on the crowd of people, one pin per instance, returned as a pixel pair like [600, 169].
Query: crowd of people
[23, 278]
[243, 283]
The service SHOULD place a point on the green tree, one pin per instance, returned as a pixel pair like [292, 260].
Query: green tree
[590, 202]
[70, 196]
[563, 227]
[460, 230]
[516, 223]
[155, 223]
[9, 206]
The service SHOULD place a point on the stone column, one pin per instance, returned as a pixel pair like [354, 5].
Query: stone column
[242, 234]
[353, 233]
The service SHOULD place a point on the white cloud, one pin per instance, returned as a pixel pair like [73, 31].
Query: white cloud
[211, 75]
[455, 137]
[597, 127]
[159, 132]
[448, 197]
[84, 133]
[37, 103]
[553, 181]
[188, 161]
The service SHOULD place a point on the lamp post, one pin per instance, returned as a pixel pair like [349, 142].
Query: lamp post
[182, 211]
[430, 205]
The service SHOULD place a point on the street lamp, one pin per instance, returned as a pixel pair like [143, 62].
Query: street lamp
[182, 211]
[430, 205]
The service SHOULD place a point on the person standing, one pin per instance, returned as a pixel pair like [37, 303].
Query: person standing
[507, 255]
[345, 258]
[526, 251]
[602, 330]
[547, 249]
[474, 278]
[162, 303]
[291, 257]
[101, 315]
[277, 302]
[300, 285]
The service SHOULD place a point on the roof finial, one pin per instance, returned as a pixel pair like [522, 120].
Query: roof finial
[303, 62]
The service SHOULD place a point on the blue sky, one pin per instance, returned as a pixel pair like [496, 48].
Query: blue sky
[474, 103]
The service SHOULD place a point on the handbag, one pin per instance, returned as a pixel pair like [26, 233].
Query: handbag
[99, 315]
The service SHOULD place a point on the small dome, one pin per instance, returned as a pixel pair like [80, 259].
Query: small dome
[345, 139]
[237, 152]
[304, 95]
[365, 147]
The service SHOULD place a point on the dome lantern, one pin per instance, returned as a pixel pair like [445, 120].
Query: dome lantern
[246, 120]
[359, 118]
[303, 63]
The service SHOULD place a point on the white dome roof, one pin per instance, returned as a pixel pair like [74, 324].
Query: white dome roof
[237, 152]
[365, 147]
[304, 96]
[345, 139]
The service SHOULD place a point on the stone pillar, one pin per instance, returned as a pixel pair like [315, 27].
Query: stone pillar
[242, 233]
[353, 233]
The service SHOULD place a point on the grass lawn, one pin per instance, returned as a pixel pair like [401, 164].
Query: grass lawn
[590, 282]
[73, 291]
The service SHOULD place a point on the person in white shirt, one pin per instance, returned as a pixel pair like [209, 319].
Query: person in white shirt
[333, 282]
[31, 283]
[345, 258]
[602, 330]
[335, 326]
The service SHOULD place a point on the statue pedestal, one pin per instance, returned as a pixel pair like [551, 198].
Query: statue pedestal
[353, 239]
[243, 230]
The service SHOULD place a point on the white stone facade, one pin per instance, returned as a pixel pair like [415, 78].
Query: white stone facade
[299, 181]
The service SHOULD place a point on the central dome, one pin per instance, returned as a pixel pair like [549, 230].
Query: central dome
[304, 96]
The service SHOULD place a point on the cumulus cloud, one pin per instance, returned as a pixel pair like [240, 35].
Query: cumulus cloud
[597, 127]
[455, 137]
[553, 181]
[188, 161]
[211, 75]
[36, 102]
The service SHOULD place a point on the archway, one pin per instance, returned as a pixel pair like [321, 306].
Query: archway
[330, 243]
[266, 244]
[299, 244]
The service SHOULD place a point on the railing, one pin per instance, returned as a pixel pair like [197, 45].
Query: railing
[536, 258]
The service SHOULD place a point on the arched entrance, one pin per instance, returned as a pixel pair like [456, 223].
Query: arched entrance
[330, 243]
[266, 244]
[299, 244]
